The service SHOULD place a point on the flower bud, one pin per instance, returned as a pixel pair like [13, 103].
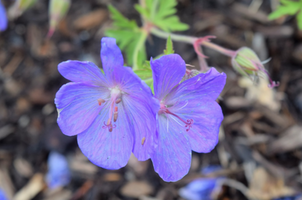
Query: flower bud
[247, 63]
[57, 10]
[19, 7]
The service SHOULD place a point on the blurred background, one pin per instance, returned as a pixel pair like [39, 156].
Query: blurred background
[259, 154]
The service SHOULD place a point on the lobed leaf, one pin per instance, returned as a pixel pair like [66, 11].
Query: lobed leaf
[299, 20]
[162, 14]
[287, 8]
[120, 21]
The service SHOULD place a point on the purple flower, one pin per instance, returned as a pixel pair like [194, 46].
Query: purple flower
[3, 19]
[2, 195]
[199, 189]
[112, 113]
[188, 118]
[295, 197]
[202, 188]
[58, 171]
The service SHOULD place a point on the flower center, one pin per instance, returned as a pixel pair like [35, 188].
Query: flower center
[188, 123]
[115, 98]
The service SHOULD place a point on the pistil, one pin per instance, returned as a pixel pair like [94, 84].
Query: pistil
[188, 122]
[113, 110]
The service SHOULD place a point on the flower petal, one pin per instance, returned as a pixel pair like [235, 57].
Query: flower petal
[202, 86]
[3, 18]
[167, 73]
[204, 133]
[58, 174]
[78, 106]
[111, 55]
[83, 72]
[195, 99]
[141, 109]
[110, 150]
[172, 156]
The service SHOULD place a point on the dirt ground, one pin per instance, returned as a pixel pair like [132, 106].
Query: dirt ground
[261, 136]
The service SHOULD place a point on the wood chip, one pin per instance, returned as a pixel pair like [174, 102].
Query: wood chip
[58, 194]
[250, 14]
[264, 186]
[6, 130]
[235, 102]
[276, 31]
[112, 177]
[83, 167]
[275, 170]
[208, 22]
[290, 140]
[136, 189]
[91, 20]
[138, 167]
[23, 167]
[32, 188]
[6, 183]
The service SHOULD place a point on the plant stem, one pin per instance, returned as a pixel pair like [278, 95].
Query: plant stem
[138, 47]
[191, 40]
[202, 62]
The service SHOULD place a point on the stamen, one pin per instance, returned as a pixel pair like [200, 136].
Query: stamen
[118, 100]
[143, 140]
[100, 101]
[113, 110]
[115, 114]
[110, 127]
[188, 123]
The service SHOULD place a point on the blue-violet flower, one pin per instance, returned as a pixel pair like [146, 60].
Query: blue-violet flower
[203, 188]
[188, 118]
[112, 113]
[3, 18]
[2, 195]
[58, 174]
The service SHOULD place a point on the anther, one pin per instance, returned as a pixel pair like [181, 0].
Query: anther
[143, 140]
[188, 123]
[109, 126]
[115, 114]
[118, 100]
[100, 101]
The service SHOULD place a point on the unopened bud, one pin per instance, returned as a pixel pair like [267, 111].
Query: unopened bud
[19, 7]
[57, 10]
[247, 63]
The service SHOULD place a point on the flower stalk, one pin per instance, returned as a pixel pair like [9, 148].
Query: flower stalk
[192, 40]
[138, 47]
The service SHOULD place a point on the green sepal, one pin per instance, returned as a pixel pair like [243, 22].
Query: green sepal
[145, 73]
[169, 46]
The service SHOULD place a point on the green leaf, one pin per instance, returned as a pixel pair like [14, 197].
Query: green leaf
[127, 41]
[171, 24]
[142, 11]
[145, 73]
[169, 46]
[287, 8]
[162, 14]
[120, 21]
[127, 34]
[299, 20]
